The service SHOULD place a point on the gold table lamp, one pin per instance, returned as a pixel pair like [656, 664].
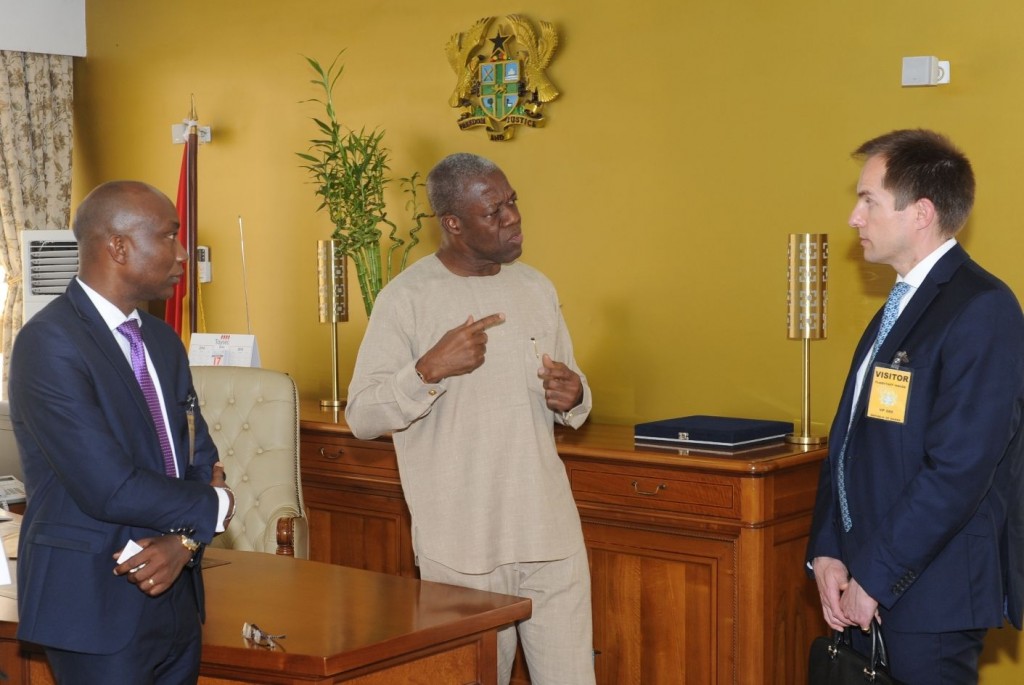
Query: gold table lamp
[331, 272]
[807, 301]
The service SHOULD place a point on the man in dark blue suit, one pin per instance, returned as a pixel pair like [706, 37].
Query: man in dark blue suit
[93, 451]
[918, 515]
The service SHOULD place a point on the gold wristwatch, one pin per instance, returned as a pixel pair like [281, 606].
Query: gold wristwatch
[188, 543]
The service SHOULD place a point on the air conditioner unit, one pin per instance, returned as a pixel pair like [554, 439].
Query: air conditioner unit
[49, 262]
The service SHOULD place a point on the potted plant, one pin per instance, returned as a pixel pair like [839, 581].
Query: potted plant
[349, 168]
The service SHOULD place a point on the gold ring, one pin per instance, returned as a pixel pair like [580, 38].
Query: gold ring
[152, 582]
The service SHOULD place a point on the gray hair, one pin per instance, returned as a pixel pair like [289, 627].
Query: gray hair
[447, 181]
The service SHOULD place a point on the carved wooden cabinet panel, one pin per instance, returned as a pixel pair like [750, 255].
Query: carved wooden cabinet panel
[357, 513]
[655, 602]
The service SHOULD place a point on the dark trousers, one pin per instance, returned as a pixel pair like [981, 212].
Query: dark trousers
[165, 651]
[929, 658]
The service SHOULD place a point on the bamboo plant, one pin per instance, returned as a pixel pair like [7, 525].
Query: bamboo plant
[349, 170]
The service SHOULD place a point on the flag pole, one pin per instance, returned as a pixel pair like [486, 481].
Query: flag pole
[193, 226]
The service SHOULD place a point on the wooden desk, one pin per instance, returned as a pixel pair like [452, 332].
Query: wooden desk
[342, 625]
[696, 560]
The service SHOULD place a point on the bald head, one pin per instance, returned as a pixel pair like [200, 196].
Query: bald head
[111, 208]
[127, 243]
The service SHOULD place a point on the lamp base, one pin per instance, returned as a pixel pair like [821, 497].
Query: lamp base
[332, 404]
[795, 439]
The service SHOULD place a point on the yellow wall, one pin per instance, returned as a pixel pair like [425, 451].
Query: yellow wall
[689, 140]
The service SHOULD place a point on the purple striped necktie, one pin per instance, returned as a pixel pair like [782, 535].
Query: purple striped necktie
[130, 330]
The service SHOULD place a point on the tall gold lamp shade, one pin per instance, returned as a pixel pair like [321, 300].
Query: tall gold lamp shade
[333, 304]
[807, 304]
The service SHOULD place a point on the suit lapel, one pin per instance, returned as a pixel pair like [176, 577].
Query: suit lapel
[930, 288]
[108, 345]
[847, 412]
[104, 339]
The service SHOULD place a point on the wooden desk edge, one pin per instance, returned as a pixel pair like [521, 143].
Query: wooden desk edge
[233, 660]
[612, 443]
[223, 660]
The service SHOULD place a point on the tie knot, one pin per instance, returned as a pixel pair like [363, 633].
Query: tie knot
[898, 291]
[890, 313]
[130, 329]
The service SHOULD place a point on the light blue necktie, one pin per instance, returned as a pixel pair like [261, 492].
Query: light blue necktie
[890, 313]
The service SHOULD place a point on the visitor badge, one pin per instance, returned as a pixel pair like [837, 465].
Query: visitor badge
[890, 393]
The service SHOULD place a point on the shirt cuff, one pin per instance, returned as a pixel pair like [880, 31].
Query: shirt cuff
[223, 503]
[418, 389]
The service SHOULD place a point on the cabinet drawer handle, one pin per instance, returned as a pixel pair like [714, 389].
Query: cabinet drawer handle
[332, 455]
[658, 488]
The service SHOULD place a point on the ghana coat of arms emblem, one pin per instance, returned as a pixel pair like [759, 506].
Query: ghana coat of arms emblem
[500, 68]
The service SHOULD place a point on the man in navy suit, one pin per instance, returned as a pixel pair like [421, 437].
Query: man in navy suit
[95, 469]
[918, 520]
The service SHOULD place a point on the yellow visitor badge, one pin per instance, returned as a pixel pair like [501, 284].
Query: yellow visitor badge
[890, 392]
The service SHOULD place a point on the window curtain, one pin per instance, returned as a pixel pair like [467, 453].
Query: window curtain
[35, 164]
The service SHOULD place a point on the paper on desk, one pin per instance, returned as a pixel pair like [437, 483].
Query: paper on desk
[10, 526]
[11, 591]
[9, 531]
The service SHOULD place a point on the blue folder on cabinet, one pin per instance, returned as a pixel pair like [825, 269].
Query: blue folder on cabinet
[721, 432]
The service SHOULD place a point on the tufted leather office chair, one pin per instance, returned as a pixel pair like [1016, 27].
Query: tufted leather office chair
[253, 416]
[10, 462]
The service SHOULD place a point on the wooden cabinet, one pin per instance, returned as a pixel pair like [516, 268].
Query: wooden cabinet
[696, 559]
[357, 512]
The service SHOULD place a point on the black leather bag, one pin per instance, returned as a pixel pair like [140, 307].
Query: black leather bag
[833, 661]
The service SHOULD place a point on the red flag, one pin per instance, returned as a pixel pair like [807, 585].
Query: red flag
[173, 307]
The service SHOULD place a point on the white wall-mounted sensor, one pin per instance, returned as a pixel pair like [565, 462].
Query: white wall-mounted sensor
[204, 265]
[925, 71]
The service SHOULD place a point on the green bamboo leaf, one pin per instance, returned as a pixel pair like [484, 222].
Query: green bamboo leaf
[348, 169]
